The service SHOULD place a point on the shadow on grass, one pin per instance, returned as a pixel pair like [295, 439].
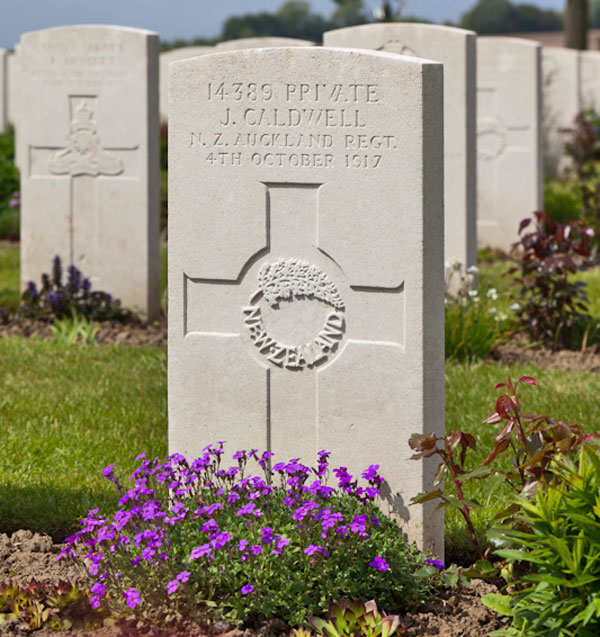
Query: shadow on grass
[45, 509]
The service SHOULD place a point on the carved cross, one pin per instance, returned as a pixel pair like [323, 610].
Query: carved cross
[83, 161]
[294, 312]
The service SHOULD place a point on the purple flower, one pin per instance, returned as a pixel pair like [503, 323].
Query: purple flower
[247, 588]
[199, 551]
[94, 601]
[437, 563]
[183, 577]
[132, 597]
[98, 589]
[172, 586]
[311, 549]
[380, 564]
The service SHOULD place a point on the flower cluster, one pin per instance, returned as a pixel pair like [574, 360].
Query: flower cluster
[281, 544]
[58, 299]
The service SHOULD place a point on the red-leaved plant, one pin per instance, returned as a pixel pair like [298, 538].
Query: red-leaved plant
[532, 440]
[552, 306]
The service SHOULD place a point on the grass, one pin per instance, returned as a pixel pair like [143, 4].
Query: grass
[66, 413]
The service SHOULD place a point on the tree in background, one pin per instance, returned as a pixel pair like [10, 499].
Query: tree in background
[576, 22]
[348, 13]
[502, 16]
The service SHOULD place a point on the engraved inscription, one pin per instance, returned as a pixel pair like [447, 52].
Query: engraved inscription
[294, 125]
[491, 138]
[288, 279]
[395, 46]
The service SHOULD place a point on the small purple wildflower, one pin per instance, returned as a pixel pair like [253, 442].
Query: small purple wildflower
[247, 589]
[437, 563]
[380, 564]
[132, 597]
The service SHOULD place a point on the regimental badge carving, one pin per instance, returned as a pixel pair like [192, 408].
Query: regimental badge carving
[395, 46]
[288, 279]
[491, 138]
[84, 154]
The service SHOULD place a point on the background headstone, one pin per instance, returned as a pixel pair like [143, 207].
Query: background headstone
[166, 57]
[590, 79]
[456, 50]
[306, 292]
[260, 43]
[509, 137]
[89, 157]
[561, 101]
[3, 90]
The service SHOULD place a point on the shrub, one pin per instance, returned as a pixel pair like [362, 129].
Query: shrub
[472, 325]
[202, 542]
[552, 306]
[9, 187]
[532, 442]
[562, 201]
[10, 218]
[58, 299]
[559, 539]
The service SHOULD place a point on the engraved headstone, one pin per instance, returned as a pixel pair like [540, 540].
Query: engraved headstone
[3, 90]
[166, 57]
[88, 153]
[509, 137]
[306, 260]
[590, 79]
[260, 43]
[561, 101]
[455, 49]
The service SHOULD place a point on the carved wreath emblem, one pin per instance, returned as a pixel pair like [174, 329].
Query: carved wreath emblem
[287, 279]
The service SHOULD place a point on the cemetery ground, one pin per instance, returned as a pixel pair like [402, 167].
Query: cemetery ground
[67, 411]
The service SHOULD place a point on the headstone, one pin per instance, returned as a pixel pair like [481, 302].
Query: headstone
[509, 143]
[561, 101]
[3, 90]
[166, 57]
[89, 157]
[590, 79]
[305, 260]
[456, 50]
[260, 43]
[10, 87]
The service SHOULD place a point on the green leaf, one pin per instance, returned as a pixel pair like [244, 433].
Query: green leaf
[478, 472]
[425, 497]
[501, 604]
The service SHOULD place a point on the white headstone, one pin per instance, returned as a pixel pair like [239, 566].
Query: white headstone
[89, 156]
[166, 57]
[509, 137]
[10, 87]
[3, 90]
[456, 50]
[590, 79]
[260, 43]
[305, 260]
[561, 100]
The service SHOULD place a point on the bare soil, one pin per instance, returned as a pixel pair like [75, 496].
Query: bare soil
[133, 332]
[456, 612]
[520, 352]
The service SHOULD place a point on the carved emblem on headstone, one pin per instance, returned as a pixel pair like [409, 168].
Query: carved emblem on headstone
[491, 138]
[395, 46]
[288, 279]
[84, 154]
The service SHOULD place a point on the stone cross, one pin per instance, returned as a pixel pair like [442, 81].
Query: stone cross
[306, 260]
[83, 160]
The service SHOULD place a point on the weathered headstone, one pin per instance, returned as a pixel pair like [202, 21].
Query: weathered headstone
[260, 43]
[166, 57]
[590, 79]
[509, 137]
[305, 260]
[456, 50]
[561, 100]
[88, 151]
[3, 90]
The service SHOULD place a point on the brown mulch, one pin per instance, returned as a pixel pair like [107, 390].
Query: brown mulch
[519, 352]
[455, 612]
[132, 332]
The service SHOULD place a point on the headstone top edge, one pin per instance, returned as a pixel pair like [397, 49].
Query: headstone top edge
[322, 51]
[390, 26]
[507, 40]
[300, 42]
[69, 28]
